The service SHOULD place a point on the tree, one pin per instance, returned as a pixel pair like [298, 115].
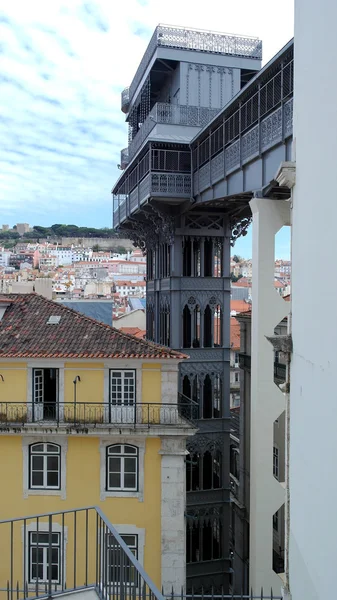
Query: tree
[41, 231]
[119, 250]
[237, 258]
[96, 248]
[235, 278]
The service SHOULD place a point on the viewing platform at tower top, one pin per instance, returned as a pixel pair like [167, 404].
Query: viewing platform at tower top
[197, 40]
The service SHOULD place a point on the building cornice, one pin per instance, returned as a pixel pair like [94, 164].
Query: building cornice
[286, 174]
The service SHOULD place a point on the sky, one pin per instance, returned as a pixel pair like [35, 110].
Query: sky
[63, 65]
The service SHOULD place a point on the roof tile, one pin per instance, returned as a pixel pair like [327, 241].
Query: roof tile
[24, 332]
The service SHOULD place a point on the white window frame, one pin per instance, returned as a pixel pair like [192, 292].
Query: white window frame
[44, 546]
[27, 441]
[44, 454]
[45, 364]
[130, 441]
[276, 462]
[130, 529]
[135, 546]
[130, 402]
[44, 528]
[122, 456]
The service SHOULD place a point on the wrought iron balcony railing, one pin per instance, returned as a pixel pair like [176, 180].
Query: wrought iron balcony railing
[142, 133]
[171, 114]
[155, 184]
[86, 414]
[181, 114]
[51, 554]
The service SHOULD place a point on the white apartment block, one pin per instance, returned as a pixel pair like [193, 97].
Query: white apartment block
[4, 258]
[130, 288]
[48, 261]
[64, 255]
[81, 254]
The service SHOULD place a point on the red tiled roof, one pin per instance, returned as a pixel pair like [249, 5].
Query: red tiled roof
[136, 331]
[245, 313]
[235, 333]
[24, 333]
[127, 283]
[242, 282]
[240, 305]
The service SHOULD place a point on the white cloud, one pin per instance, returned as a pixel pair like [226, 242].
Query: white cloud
[63, 66]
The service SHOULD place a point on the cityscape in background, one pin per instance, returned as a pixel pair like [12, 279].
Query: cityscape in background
[109, 269]
[159, 379]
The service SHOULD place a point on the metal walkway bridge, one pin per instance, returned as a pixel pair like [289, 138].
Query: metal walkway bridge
[234, 157]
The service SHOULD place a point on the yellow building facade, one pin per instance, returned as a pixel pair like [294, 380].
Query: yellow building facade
[89, 417]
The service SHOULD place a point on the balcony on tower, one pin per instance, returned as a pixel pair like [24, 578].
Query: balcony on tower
[184, 78]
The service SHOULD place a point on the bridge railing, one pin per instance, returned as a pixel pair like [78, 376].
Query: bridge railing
[46, 555]
[245, 129]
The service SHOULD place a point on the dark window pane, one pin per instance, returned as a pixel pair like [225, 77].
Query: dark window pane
[54, 555]
[37, 463]
[129, 465]
[130, 450]
[52, 479]
[130, 540]
[53, 448]
[37, 478]
[37, 448]
[55, 572]
[114, 450]
[130, 480]
[41, 538]
[52, 463]
[114, 464]
[114, 480]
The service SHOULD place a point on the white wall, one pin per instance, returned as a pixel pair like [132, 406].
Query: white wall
[135, 318]
[4, 258]
[267, 401]
[313, 403]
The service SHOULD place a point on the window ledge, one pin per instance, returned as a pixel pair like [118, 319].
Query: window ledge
[122, 494]
[43, 587]
[45, 492]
